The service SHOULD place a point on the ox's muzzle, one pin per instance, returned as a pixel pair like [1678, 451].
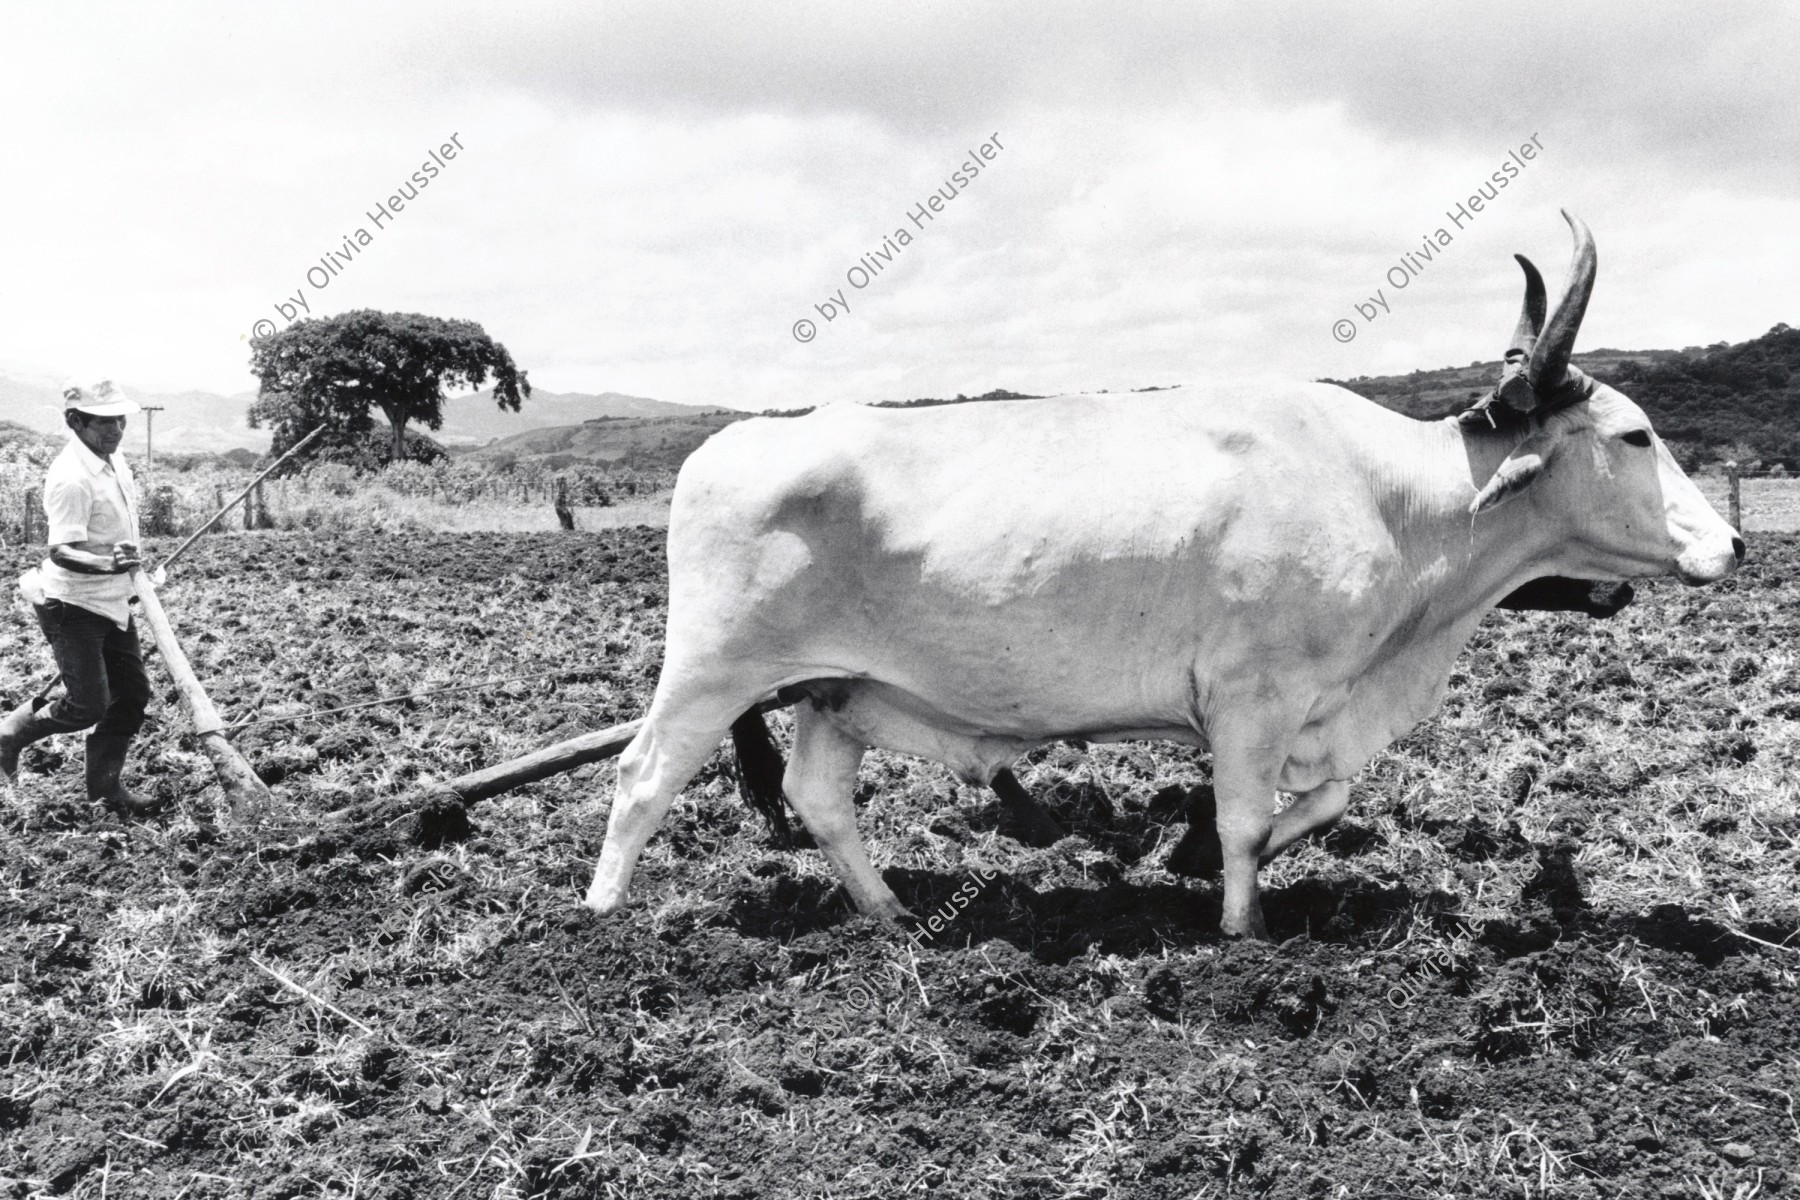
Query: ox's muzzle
[1709, 561]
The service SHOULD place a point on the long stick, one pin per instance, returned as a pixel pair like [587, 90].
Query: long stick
[216, 517]
[559, 758]
[235, 776]
[542, 764]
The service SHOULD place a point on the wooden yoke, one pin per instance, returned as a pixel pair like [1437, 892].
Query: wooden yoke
[242, 787]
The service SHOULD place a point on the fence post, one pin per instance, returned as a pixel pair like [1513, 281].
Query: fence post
[32, 518]
[563, 512]
[1735, 495]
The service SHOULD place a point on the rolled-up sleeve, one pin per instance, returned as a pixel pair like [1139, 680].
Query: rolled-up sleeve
[67, 503]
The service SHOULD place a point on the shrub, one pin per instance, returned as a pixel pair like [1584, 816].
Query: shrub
[332, 478]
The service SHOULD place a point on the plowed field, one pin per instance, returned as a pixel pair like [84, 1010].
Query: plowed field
[1543, 955]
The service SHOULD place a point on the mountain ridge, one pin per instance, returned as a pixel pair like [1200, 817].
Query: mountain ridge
[1728, 400]
[195, 421]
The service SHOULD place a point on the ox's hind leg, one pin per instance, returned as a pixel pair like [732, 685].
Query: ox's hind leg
[1309, 813]
[675, 742]
[820, 784]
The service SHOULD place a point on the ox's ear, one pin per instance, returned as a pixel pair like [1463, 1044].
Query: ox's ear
[1518, 471]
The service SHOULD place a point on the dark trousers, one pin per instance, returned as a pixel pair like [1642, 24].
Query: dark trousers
[102, 670]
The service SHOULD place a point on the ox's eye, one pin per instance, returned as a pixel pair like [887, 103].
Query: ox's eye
[1638, 437]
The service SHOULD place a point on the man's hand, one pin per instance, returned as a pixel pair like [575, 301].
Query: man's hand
[97, 558]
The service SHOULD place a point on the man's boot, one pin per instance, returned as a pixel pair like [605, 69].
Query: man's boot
[21, 727]
[105, 763]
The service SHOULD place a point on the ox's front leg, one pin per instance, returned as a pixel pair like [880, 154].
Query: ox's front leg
[1245, 766]
[821, 784]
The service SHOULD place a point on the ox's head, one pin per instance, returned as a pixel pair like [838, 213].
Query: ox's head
[1584, 456]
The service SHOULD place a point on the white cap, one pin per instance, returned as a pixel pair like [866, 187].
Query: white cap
[103, 399]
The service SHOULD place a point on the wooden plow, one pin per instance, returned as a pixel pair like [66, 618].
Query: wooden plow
[1022, 815]
[244, 791]
[557, 759]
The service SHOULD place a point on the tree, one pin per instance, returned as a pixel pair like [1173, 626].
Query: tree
[335, 370]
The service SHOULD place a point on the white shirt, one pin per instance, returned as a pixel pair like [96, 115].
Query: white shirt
[89, 499]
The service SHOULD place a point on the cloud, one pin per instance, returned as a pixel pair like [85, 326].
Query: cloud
[1632, 83]
[652, 194]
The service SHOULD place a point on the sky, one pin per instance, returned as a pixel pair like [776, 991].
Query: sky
[650, 198]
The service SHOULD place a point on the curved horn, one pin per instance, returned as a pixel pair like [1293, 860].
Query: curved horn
[1515, 390]
[1550, 358]
[1531, 316]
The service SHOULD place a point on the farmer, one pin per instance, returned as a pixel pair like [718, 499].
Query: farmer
[82, 595]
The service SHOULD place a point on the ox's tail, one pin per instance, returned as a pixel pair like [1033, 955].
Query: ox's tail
[759, 773]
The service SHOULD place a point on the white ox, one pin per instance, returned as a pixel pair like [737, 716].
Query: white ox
[1281, 574]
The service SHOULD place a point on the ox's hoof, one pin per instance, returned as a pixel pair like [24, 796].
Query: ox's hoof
[600, 903]
[1249, 927]
[888, 910]
[1031, 827]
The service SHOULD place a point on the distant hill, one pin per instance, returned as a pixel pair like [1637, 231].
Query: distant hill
[205, 422]
[652, 445]
[22, 445]
[475, 419]
[191, 422]
[1739, 401]
[1709, 403]
[1442, 391]
[656, 444]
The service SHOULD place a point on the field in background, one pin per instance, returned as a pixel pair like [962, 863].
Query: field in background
[375, 505]
[456, 497]
[470, 498]
[615, 472]
[1548, 953]
[1770, 505]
